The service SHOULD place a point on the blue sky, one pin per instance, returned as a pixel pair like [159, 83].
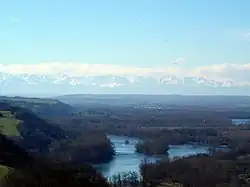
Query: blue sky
[141, 33]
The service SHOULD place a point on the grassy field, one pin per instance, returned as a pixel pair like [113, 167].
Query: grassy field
[3, 171]
[8, 124]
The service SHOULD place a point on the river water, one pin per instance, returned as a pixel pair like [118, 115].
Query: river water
[240, 121]
[127, 159]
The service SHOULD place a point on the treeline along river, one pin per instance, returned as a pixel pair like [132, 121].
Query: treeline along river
[127, 159]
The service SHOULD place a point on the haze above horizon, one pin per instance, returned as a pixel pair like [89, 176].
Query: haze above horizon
[204, 39]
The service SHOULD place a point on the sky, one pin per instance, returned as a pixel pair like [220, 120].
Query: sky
[208, 38]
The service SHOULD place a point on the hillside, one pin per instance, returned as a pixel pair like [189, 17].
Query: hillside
[11, 156]
[25, 138]
[27, 129]
[46, 138]
[8, 124]
[17, 168]
[40, 106]
[3, 171]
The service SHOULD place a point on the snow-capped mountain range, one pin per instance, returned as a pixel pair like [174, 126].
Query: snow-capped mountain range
[58, 84]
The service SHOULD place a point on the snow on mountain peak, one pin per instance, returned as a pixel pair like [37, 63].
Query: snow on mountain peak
[63, 81]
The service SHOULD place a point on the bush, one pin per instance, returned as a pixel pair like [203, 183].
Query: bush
[152, 147]
[55, 175]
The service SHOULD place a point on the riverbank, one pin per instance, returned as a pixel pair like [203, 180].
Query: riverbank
[126, 159]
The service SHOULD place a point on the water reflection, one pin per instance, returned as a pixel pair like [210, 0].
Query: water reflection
[127, 159]
[240, 121]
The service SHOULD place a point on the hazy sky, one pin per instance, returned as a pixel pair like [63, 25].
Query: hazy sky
[205, 35]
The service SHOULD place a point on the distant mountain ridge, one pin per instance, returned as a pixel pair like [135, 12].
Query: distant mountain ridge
[58, 84]
[141, 100]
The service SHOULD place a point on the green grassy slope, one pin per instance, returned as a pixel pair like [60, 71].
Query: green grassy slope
[8, 124]
[30, 131]
[8, 127]
[3, 171]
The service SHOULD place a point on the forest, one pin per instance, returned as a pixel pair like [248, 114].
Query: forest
[55, 149]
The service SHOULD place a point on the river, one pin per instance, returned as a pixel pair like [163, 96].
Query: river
[127, 159]
[240, 121]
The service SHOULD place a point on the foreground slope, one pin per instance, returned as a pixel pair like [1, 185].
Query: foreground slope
[27, 129]
[11, 156]
[17, 168]
[3, 171]
[45, 138]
